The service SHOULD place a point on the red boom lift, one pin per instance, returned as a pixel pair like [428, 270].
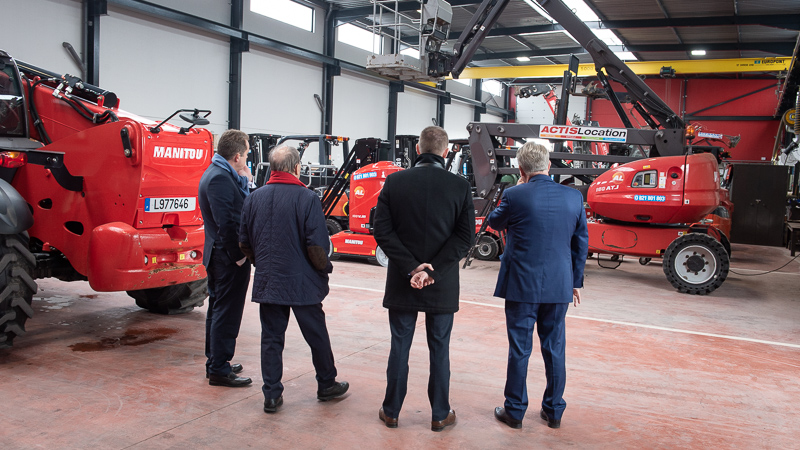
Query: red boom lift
[91, 192]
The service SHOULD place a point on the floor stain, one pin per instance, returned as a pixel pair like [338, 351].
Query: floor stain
[131, 338]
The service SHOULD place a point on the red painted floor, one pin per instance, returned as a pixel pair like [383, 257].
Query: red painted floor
[647, 368]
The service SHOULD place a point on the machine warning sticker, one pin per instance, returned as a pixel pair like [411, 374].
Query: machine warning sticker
[583, 133]
[171, 204]
[650, 198]
[360, 176]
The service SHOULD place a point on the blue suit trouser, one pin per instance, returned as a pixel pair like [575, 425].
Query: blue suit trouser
[311, 320]
[227, 289]
[438, 328]
[549, 321]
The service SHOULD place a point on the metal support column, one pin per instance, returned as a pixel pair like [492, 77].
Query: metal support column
[237, 47]
[395, 87]
[441, 101]
[92, 10]
[328, 72]
[476, 117]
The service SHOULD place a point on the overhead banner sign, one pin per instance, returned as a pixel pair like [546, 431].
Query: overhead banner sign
[572, 133]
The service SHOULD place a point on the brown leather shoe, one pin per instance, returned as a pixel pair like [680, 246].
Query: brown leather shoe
[391, 422]
[438, 425]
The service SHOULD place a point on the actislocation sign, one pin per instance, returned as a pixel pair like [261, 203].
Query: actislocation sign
[573, 133]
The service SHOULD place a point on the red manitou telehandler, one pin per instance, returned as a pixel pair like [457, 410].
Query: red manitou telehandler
[91, 192]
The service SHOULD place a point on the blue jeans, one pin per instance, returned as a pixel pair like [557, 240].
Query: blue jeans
[438, 328]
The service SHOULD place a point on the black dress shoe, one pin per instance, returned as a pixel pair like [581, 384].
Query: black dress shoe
[552, 423]
[271, 405]
[337, 390]
[501, 415]
[235, 368]
[230, 380]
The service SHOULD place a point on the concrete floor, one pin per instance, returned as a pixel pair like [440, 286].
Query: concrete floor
[647, 368]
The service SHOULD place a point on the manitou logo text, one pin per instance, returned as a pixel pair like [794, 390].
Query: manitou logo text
[353, 241]
[178, 153]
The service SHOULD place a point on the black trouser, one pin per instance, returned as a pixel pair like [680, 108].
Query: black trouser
[438, 328]
[227, 289]
[311, 320]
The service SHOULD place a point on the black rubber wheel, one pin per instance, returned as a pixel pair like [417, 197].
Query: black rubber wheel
[487, 248]
[615, 258]
[176, 299]
[643, 261]
[333, 226]
[696, 263]
[16, 286]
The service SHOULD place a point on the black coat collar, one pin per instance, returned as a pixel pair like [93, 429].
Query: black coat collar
[428, 160]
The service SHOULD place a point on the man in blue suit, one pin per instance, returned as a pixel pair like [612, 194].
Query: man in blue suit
[221, 195]
[540, 274]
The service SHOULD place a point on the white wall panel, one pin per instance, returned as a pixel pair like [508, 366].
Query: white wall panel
[491, 118]
[157, 67]
[536, 111]
[278, 94]
[415, 109]
[360, 108]
[216, 10]
[33, 31]
[456, 117]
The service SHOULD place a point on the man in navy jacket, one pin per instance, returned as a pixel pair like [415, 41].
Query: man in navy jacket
[283, 232]
[540, 274]
[222, 191]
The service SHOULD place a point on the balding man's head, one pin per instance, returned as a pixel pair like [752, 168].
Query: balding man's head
[284, 159]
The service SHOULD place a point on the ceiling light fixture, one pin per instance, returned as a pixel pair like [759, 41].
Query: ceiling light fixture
[698, 53]
[523, 58]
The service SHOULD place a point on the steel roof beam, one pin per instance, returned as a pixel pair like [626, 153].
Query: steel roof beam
[694, 66]
[779, 48]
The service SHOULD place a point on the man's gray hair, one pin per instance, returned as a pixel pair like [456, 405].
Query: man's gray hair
[533, 157]
[284, 159]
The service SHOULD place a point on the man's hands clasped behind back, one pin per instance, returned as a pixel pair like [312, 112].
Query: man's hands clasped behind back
[420, 278]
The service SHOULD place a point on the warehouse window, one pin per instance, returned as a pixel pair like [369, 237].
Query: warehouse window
[359, 37]
[493, 87]
[287, 11]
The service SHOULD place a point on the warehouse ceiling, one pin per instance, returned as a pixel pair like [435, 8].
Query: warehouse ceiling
[651, 30]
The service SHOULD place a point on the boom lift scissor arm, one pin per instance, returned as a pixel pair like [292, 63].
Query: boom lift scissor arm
[609, 67]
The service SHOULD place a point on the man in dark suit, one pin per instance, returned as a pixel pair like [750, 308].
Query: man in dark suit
[424, 223]
[540, 274]
[283, 232]
[222, 191]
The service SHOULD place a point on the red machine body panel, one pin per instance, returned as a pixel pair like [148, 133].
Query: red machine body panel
[673, 189]
[365, 186]
[137, 223]
[634, 240]
[356, 244]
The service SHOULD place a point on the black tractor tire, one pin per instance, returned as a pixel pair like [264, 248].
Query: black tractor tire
[16, 286]
[176, 299]
[487, 248]
[333, 226]
[696, 263]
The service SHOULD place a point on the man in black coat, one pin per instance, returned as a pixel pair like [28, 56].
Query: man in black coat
[424, 223]
[283, 232]
[222, 191]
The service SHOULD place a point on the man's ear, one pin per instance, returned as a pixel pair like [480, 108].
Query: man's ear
[418, 149]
